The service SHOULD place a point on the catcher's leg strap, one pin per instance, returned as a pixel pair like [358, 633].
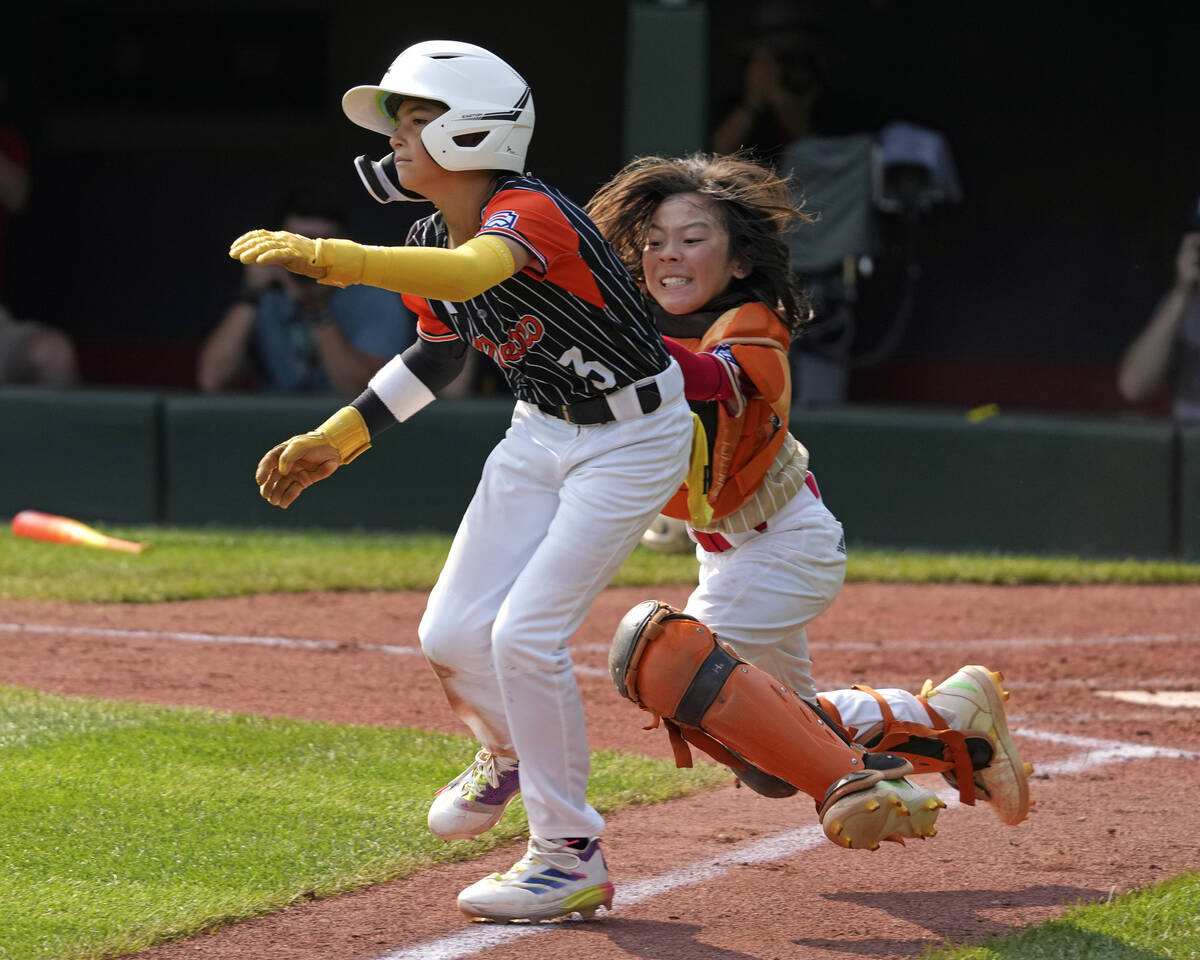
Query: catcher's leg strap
[930, 749]
[673, 666]
[757, 780]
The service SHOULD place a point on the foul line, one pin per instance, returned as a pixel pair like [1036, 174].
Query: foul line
[294, 643]
[186, 637]
[479, 938]
[1101, 639]
[1095, 753]
[299, 643]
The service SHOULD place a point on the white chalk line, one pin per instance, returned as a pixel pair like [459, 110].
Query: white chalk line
[294, 643]
[191, 637]
[298, 643]
[476, 939]
[181, 636]
[410, 650]
[1058, 640]
[1095, 753]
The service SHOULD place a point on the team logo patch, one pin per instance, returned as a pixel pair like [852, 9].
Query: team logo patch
[504, 220]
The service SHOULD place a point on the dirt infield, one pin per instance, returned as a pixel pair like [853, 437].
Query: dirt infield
[728, 875]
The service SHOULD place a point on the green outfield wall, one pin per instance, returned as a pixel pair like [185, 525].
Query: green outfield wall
[418, 475]
[896, 478]
[1189, 493]
[83, 453]
[1013, 483]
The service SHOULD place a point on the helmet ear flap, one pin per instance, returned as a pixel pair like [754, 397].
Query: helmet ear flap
[380, 179]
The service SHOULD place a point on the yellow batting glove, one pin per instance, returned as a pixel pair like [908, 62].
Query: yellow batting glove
[298, 254]
[289, 468]
[345, 431]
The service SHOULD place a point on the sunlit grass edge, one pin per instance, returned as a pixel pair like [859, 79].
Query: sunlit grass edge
[191, 563]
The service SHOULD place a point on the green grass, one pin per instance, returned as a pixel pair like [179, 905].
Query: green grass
[184, 563]
[1159, 923]
[125, 825]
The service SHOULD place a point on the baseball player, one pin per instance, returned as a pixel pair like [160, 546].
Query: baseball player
[599, 440]
[704, 235]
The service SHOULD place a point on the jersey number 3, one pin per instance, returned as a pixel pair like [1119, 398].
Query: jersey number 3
[597, 373]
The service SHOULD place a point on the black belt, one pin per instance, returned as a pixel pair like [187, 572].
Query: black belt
[597, 410]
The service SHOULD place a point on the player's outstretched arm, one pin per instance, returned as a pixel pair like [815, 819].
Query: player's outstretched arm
[432, 272]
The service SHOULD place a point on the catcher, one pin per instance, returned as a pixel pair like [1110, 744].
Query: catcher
[730, 673]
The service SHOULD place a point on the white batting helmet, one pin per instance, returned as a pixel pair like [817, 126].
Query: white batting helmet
[483, 94]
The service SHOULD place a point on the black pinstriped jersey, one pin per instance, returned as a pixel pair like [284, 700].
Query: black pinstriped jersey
[571, 325]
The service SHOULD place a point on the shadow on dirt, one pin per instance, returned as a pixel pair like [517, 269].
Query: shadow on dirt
[964, 916]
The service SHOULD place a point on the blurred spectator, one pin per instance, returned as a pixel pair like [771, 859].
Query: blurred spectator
[30, 352]
[1168, 346]
[286, 333]
[865, 184]
[33, 353]
[781, 84]
[775, 119]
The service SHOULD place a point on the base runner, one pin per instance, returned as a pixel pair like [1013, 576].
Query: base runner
[599, 440]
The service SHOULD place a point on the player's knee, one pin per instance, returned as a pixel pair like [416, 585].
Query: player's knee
[520, 646]
[444, 644]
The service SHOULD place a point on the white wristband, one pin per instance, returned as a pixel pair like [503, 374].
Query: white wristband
[399, 389]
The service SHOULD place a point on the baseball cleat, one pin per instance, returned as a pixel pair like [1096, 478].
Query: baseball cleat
[888, 810]
[551, 880]
[974, 694]
[474, 801]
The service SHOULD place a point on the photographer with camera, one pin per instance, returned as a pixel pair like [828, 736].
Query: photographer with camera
[780, 88]
[288, 334]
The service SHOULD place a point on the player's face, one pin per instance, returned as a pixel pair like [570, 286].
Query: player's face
[686, 260]
[417, 170]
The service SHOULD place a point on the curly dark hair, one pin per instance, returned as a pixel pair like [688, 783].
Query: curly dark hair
[753, 202]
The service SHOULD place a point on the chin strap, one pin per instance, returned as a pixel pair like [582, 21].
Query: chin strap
[381, 180]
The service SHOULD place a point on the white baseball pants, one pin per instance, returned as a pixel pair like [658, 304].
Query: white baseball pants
[558, 510]
[760, 594]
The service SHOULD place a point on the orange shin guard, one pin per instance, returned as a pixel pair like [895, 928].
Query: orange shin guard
[674, 667]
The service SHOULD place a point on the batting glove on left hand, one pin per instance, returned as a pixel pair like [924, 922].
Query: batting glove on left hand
[291, 467]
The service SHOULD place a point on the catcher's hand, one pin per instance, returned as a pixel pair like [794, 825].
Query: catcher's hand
[297, 253]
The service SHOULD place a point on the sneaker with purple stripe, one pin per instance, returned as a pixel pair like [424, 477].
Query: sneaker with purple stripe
[474, 801]
[553, 879]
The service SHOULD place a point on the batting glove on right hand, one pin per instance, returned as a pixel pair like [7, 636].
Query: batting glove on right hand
[297, 253]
